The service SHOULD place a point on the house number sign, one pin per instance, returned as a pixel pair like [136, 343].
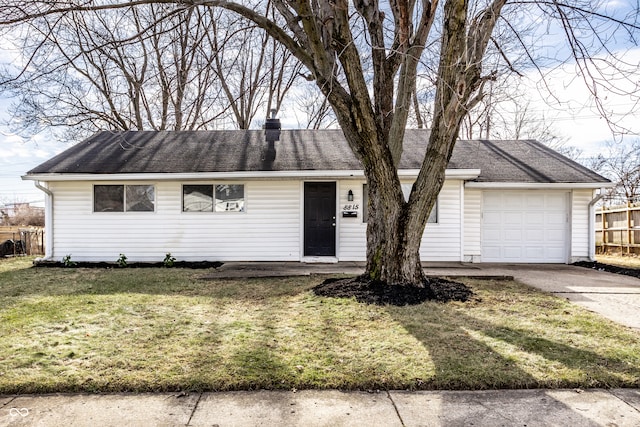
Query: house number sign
[350, 211]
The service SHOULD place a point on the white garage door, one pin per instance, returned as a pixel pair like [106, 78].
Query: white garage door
[524, 226]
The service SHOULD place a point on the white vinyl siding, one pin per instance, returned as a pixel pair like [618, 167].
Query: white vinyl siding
[267, 231]
[352, 232]
[580, 200]
[440, 242]
[472, 224]
[270, 228]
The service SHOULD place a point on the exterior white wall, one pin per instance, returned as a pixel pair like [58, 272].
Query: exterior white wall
[580, 224]
[472, 224]
[440, 241]
[268, 230]
[443, 241]
[352, 232]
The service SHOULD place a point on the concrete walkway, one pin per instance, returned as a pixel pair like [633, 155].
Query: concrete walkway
[333, 408]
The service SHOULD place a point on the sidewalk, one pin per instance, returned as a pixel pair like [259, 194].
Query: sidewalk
[620, 407]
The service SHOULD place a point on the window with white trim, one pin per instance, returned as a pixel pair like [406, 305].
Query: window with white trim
[213, 198]
[124, 198]
[229, 198]
[197, 198]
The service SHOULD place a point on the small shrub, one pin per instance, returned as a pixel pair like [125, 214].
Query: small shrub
[67, 262]
[122, 261]
[168, 260]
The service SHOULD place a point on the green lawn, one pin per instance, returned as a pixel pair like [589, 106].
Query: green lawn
[64, 330]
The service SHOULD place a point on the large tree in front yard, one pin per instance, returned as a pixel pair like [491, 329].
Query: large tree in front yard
[365, 57]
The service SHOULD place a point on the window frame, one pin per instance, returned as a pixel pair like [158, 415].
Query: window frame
[197, 185]
[124, 198]
[215, 197]
[214, 186]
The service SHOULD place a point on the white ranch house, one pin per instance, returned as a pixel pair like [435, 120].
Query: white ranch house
[299, 195]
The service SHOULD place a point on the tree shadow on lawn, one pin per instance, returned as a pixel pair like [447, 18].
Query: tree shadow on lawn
[274, 353]
[472, 353]
[459, 352]
[466, 350]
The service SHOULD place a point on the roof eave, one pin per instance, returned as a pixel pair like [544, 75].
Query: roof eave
[538, 185]
[463, 174]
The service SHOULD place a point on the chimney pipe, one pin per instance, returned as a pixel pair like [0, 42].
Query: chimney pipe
[272, 123]
[272, 134]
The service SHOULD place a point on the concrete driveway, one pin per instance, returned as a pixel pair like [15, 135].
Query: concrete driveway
[614, 296]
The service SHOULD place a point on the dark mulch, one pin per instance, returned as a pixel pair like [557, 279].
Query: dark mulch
[610, 268]
[176, 264]
[373, 292]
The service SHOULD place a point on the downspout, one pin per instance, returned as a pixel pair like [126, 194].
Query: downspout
[48, 220]
[592, 224]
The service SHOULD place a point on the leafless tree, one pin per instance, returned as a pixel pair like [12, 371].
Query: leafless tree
[311, 108]
[505, 112]
[155, 66]
[254, 71]
[620, 162]
[365, 55]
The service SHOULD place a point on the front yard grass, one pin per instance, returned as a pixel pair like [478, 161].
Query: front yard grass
[112, 330]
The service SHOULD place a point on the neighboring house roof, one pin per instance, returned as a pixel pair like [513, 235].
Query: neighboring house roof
[139, 152]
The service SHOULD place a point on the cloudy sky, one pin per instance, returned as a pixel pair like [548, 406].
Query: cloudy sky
[571, 110]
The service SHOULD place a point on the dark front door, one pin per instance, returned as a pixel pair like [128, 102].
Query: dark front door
[319, 218]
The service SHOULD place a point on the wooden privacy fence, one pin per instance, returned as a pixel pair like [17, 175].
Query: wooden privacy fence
[618, 229]
[32, 239]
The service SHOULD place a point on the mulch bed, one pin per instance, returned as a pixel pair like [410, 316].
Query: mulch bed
[176, 264]
[609, 268]
[372, 292]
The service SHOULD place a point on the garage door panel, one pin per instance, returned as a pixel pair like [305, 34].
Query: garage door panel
[534, 202]
[524, 226]
[511, 253]
[513, 218]
[534, 218]
[555, 201]
[554, 234]
[492, 198]
[512, 235]
[492, 252]
[535, 253]
[512, 201]
[555, 217]
[557, 252]
[534, 236]
[492, 218]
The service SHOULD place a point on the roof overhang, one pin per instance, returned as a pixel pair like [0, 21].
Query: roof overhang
[462, 174]
[538, 185]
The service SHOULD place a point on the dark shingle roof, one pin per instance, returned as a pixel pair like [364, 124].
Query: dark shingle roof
[298, 150]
